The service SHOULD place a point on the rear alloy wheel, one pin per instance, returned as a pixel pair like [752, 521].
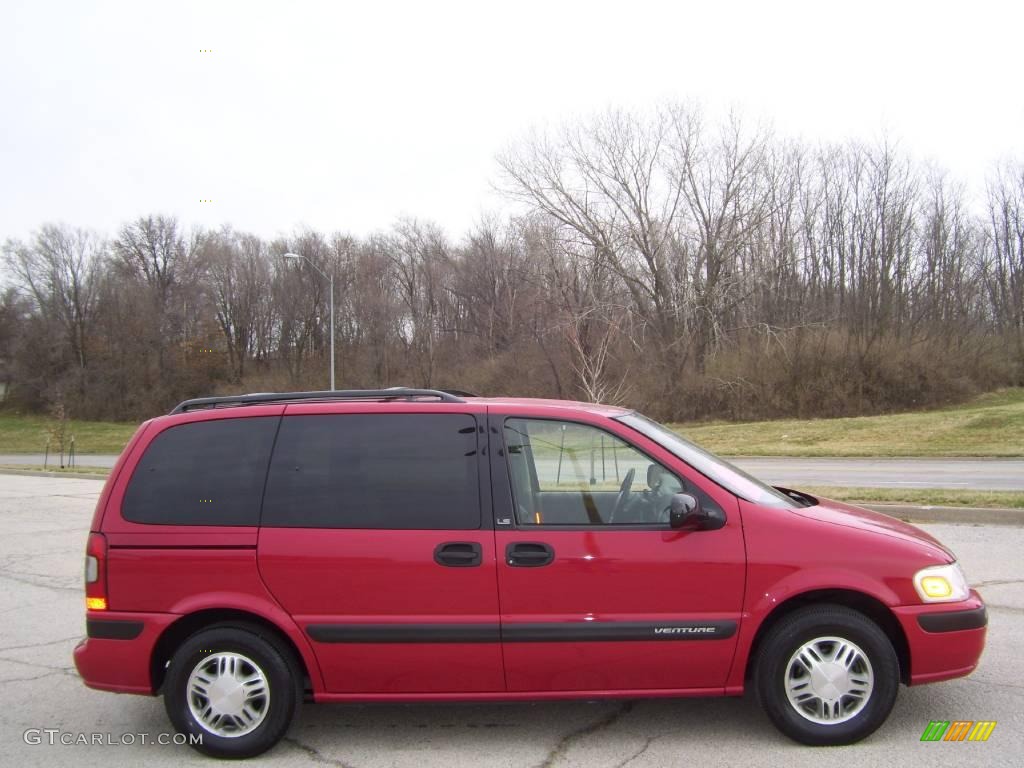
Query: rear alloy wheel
[228, 694]
[827, 675]
[234, 686]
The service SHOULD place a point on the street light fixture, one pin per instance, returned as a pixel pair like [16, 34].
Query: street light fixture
[330, 279]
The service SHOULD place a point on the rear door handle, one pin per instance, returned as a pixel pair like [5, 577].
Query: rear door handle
[529, 554]
[458, 554]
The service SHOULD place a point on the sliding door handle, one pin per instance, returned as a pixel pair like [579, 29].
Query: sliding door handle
[529, 554]
[458, 554]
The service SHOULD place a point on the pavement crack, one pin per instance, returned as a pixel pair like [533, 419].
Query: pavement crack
[998, 582]
[647, 745]
[315, 754]
[36, 664]
[976, 681]
[566, 742]
[40, 645]
[21, 580]
[5, 681]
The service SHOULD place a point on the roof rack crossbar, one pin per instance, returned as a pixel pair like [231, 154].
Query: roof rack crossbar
[393, 393]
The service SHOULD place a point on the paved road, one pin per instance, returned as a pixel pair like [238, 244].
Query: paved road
[967, 474]
[45, 522]
[85, 460]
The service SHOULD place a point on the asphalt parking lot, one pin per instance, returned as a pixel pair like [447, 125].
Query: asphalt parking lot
[45, 521]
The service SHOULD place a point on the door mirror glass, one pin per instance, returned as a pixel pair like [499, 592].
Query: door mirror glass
[688, 513]
[685, 512]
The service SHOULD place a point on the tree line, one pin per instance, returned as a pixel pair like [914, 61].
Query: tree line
[689, 269]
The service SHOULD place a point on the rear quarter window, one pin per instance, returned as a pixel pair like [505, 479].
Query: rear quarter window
[387, 471]
[202, 473]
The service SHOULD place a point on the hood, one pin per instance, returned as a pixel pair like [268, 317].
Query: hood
[838, 513]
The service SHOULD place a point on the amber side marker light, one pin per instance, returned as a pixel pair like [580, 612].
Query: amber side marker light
[936, 586]
[96, 603]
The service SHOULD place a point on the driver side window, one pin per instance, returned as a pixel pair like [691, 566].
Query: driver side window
[565, 473]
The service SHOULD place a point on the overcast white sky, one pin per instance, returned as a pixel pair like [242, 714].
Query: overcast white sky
[345, 115]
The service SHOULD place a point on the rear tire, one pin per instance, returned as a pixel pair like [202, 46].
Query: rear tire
[234, 685]
[826, 675]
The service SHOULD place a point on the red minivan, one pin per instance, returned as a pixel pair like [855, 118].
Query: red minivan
[250, 552]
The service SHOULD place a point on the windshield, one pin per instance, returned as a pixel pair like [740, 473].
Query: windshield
[722, 472]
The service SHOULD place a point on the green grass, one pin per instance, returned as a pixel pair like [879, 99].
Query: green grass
[922, 497]
[27, 434]
[990, 425]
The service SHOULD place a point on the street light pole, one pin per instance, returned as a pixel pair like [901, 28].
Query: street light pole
[332, 331]
[330, 279]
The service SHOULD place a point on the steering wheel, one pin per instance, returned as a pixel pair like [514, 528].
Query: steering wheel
[623, 497]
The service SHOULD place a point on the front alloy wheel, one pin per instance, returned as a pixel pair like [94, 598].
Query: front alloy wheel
[829, 680]
[826, 675]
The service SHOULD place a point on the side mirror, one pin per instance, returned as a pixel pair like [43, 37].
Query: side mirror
[687, 513]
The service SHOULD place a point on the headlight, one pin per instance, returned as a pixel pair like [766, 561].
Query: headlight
[941, 584]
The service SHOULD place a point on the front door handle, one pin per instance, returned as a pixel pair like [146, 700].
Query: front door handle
[458, 554]
[529, 554]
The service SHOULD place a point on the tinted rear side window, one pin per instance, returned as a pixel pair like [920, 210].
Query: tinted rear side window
[202, 473]
[398, 471]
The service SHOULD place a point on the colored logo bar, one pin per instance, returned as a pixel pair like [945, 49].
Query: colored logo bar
[958, 730]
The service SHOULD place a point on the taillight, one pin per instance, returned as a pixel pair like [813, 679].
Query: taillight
[96, 573]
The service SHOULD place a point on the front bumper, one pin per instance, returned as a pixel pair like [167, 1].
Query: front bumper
[945, 640]
[117, 653]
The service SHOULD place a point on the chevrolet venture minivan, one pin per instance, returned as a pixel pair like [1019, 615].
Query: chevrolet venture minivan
[248, 553]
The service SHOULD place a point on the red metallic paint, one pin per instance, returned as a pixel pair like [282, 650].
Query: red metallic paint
[937, 656]
[376, 577]
[598, 576]
[794, 552]
[294, 577]
[121, 666]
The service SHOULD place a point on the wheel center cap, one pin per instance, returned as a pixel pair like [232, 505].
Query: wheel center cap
[227, 696]
[830, 680]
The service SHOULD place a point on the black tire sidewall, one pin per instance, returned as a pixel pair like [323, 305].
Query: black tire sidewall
[284, 690]
[807, 624]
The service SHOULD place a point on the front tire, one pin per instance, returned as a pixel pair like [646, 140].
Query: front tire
[826, 675]
[234, 686]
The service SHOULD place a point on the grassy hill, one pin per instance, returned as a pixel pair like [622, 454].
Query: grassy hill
[990, 425]
[27, 434]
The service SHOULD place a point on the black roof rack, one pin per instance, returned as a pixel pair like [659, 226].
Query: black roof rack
[393, 393]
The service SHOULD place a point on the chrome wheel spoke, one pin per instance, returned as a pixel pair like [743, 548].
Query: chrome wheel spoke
[808, 658]
[846, 655]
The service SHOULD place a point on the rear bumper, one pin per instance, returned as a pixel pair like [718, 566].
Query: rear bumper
[117, 652]
[946, 640]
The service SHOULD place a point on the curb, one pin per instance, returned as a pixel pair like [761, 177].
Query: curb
[44, 473]
[907, 513]
[959, 515]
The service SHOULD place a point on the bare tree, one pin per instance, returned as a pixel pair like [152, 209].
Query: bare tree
[60, 271]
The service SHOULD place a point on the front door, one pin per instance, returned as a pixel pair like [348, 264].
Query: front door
[375, 540]
[597, 591]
